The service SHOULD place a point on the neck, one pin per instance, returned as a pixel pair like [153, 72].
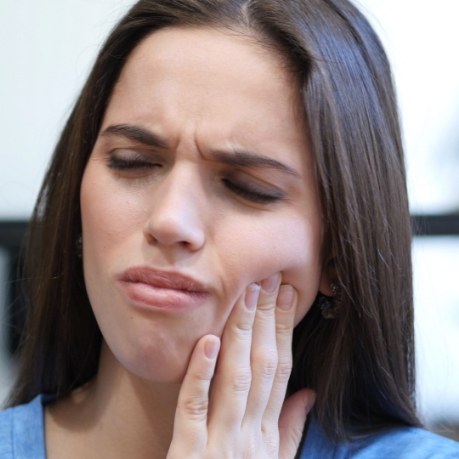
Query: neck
[119, 414]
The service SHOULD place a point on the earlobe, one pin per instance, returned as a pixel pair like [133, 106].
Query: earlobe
[328, 279]
[330, 294]
[325, 286]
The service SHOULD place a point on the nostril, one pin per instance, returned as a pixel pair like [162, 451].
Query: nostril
[180, 229]
[150, 239]
[176, 217]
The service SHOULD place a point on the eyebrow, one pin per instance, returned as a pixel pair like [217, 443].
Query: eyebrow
[243, 158]
[237, 157]
[136, 133]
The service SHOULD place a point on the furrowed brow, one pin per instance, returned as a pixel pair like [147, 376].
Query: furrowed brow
[243, 158]
[136, 133]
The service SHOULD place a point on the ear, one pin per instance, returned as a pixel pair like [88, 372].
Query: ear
[327, 278]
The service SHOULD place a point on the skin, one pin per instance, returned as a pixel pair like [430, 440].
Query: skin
[205, 93]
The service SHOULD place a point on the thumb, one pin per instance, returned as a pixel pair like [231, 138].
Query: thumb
[292, 420]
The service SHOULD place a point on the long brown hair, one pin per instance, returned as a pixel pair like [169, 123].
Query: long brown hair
[361, 363]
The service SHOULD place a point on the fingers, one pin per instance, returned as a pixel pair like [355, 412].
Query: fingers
[255, 361]
[285, 317]
[256, 358]
[233, 378]
[190, 426]
[243, 411]
[292, 421]
[264, 352]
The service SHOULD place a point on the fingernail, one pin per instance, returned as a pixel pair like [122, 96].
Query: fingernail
[211, 347]
[270, 284]
[286, 297]
[251, 296]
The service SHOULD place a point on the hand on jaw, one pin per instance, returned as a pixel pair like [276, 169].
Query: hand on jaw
[232, 400]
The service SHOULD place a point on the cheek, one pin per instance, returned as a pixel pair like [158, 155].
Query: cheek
[297, 253]
[289, 245]
[108, 222]
[108, 215]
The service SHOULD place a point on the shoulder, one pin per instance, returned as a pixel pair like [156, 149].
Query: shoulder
[22, 431]
[400, 442]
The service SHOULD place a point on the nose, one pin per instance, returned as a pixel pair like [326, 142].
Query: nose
[177, 209]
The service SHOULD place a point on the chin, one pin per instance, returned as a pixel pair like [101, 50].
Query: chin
[165, 375]
[157, 365]
[154, 352]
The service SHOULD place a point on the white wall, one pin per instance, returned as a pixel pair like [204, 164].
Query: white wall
[46, 49]
[421, 38]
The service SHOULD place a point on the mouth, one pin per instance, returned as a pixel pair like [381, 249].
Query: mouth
[163, 290]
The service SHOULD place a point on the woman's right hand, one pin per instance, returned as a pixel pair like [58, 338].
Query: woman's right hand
[232, 400]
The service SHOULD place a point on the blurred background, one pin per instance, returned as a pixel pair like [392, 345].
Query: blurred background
[47, 48]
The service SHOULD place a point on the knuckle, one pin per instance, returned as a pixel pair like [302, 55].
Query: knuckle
[203, 376]
[266, 362]
[284, 370]
[283, 328]
[267, 305]
[269, 369]
[195, 408]
[242, 379]
[243, 328]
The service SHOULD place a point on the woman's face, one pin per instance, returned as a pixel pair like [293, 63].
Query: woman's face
[200, 182]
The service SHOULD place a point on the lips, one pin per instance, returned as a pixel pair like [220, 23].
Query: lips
[149, 288]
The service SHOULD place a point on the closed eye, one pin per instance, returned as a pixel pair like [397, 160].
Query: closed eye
[252, 192]
[131, 164]
[132, 160]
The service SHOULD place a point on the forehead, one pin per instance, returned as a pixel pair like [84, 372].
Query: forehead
[218, 83]
[207, 46]
[211, 58]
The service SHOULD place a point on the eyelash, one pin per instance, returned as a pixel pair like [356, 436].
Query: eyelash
[130, 164]
[246, 192]
[252, 194]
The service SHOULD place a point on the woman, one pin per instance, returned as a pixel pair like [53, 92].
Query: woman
[232, 169]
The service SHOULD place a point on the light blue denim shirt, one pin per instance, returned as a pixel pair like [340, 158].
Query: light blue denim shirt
[395, 443]
[22, 437]
[22, 431]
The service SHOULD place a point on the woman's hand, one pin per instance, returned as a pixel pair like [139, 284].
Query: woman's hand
[235, 408]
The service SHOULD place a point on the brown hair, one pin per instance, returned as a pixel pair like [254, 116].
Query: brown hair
[362, 362]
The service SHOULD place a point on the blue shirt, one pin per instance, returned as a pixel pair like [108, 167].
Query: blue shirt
[22, 431]
[398, 442]
[22, 437]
